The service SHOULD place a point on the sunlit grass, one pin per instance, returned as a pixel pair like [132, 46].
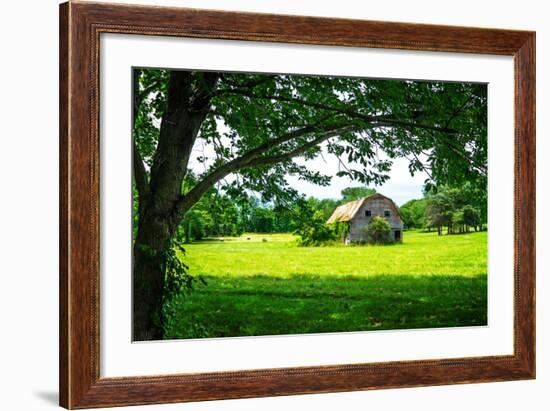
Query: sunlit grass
[267, 285]
[279, 256]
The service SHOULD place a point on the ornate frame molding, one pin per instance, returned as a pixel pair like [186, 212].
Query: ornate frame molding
[81, 24]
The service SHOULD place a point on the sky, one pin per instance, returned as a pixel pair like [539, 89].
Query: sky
[400, 187]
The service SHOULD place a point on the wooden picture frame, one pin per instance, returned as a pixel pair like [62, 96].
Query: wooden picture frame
[80, 27]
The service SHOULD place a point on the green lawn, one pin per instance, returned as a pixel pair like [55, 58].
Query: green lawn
[258, 287]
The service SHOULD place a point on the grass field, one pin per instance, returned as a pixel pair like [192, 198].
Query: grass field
[268, 285]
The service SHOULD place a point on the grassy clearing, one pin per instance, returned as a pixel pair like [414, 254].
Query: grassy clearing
[273, 287]
[420, 253]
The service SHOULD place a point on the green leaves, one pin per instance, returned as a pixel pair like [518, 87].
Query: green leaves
[313, 230]
[149, 105]
[457, 208]
[440, 127]
[355, 193]
[413, 213]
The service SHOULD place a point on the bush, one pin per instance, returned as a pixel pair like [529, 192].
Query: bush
[379, 231]
[315, 232]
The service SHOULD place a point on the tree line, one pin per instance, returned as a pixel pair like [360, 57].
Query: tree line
[217, 214]
[456, 209]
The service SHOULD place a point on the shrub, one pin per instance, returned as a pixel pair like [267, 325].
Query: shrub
[315, 232]
[378, 231]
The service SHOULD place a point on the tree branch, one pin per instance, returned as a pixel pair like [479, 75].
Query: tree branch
[268, 145]
[387, 120]
[262, 161]
[462, 107]
[253, 158]
[482, 169]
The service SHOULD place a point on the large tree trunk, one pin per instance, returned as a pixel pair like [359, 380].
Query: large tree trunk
[153, 236]
[147, 297]
[187, 104]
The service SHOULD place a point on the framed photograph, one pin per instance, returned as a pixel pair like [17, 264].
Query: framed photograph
[258, 205]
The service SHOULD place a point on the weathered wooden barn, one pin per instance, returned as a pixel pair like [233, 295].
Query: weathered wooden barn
[359, 213]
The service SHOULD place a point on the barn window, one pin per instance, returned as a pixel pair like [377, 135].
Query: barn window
[367, 213]
[386, 213]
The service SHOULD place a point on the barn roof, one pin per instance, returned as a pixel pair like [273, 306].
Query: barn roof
[347, 211]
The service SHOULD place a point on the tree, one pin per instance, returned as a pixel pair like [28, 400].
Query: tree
[458, 221]
[439, 212]
[457, 208]
[257, 125]
[406, 216]
[476, 198]
[378, 231]
[262, 220]
[355, 193]
[314, 231]
[413, 213]
[193, 225]
[471, 217]
[326, 206]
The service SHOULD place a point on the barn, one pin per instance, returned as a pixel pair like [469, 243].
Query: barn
[359, 213]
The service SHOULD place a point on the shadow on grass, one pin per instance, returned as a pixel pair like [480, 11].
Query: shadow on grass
[262, 305]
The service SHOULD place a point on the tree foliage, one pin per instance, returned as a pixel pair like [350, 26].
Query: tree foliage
[457, 209]
[355, 193]
[439, 127]
[413, 213]
[314, 231]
